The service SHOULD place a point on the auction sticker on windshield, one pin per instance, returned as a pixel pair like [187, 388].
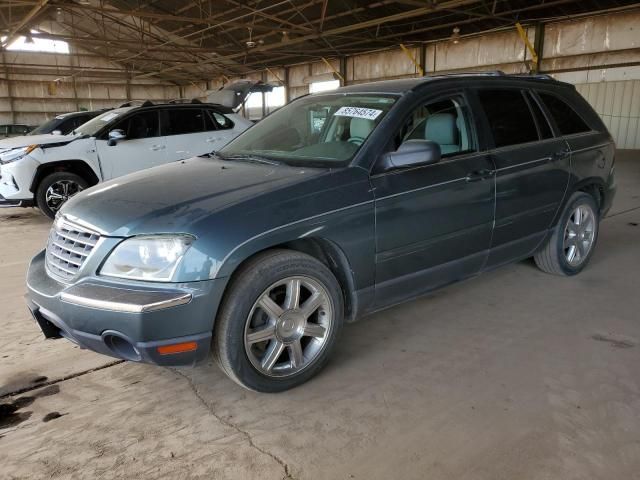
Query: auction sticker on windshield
[358, 112]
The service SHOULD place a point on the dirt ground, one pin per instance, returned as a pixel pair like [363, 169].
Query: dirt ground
[512, 375]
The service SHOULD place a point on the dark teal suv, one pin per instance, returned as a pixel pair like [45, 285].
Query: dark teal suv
[334, 206]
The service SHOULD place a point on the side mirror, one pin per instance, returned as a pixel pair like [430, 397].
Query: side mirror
[56, 132]
[412, 153]
[115, 136]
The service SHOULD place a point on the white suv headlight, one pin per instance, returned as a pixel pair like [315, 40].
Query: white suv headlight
[16, 153]
[152, 257]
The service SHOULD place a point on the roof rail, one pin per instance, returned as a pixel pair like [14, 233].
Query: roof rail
[184, 100]
[137, 103]
[541, 76]
[492, 73]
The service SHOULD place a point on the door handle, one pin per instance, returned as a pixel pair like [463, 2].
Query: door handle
[479, 175]
[155, 148]
[562, 154]
[211, 140]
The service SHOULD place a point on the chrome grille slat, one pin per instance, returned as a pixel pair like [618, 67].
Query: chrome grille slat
[67, 259]
[84, 241]
[62, 269]
[76, 251]
[68, 248]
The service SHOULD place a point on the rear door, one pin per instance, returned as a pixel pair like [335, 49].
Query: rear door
[142, 148]
[532, 171]
[434, 222]
[187, 132]
[222, 131]
[589, 147]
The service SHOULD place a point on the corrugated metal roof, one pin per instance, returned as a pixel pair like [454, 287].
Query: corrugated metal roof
[200, 39]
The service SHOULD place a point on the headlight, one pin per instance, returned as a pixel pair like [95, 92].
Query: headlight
[153, 257]
[16, 153]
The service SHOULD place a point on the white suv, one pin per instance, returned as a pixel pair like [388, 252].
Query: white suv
[53, 168]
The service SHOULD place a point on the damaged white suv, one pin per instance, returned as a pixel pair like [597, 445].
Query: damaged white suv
[121, 141]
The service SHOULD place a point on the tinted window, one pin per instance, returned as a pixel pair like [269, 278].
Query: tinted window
[20, 129]
[509, 117]
[445, 121]
[140, 125]
[567, 120]
[67, 125]
[183, 121]
[221, 121]
[544, 129]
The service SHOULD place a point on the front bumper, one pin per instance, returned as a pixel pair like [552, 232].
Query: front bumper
[15, 182]
[136, 322]
[6, 203]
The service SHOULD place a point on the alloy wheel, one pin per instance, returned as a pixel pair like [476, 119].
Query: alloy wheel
[288, 326]
[579, 234]
[59, 192]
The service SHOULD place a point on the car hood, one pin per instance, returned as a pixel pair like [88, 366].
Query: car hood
[174, 197]
[26, 140]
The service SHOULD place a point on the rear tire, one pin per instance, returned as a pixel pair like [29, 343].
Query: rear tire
[573, 240]
[55, 189]
[279, 321]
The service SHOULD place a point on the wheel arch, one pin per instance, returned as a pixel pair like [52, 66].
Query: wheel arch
[594, 186]
[328, 253]
[79, 167]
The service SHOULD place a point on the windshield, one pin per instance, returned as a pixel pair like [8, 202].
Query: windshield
[317, 130]
[47, 127]
[95, 124]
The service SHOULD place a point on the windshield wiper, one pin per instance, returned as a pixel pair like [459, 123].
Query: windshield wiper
[250, 158]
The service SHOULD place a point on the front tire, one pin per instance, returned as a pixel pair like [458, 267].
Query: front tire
[55, 189]
[573, 241]
[278, 322]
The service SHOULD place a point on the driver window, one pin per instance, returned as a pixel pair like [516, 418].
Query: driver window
[444, 121]
[140, 125]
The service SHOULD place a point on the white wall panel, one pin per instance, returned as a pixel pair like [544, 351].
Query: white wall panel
[618, 104]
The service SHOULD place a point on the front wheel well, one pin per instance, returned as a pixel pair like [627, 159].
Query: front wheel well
[332, 256]
[79, 167]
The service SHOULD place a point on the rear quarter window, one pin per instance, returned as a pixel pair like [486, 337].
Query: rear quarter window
[567, 119]
[221, 122]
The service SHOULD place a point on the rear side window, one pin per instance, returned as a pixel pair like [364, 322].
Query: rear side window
[183, 121]
[220, 120]
[566, 118]
[509, 117]
[544, 129]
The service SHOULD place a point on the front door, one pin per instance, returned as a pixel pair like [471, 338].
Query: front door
[532, 172]
[142, 148]
[434, 222]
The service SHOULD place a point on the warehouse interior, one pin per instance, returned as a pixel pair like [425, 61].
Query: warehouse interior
[511, 375]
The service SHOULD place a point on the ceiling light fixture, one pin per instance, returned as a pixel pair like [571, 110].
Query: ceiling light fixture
[455, 36]
[250, 43]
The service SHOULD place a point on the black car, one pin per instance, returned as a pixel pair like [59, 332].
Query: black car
[334, 206]
[14, 130]
[65, 123]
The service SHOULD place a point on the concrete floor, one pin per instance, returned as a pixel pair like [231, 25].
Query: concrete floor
[513, 375]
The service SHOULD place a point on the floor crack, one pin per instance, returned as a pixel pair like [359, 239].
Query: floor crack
[244, 433]
[38, 385]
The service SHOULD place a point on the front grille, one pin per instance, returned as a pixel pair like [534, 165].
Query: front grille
[69, 246]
